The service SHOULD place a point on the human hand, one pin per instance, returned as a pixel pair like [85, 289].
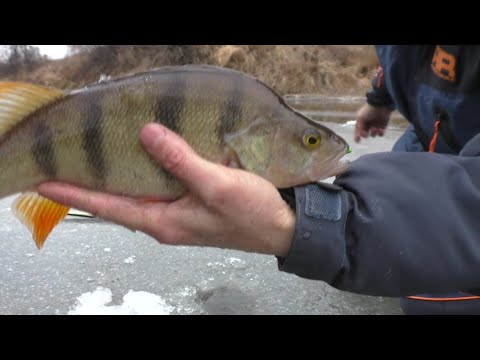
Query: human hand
[223, 207]
[371, 121]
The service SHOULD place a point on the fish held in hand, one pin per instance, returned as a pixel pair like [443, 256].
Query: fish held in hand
[90, 137]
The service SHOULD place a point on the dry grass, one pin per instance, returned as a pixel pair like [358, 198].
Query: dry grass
[325, 69]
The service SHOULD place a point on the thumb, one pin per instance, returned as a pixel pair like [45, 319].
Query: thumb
[179, 159]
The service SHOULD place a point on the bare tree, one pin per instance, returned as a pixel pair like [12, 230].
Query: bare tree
[22, 57]
[76, 49]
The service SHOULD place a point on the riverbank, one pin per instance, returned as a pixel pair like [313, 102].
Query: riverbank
[290, 69]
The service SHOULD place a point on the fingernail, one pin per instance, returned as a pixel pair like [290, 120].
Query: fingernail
[152, 134]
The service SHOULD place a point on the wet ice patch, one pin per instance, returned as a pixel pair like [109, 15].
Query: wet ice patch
[187, 291]
[236, 263]
[129, 260]
[233, 261]
[216, 264]
[5, 227]
[134, 303]
[184, 310]
[107, 250]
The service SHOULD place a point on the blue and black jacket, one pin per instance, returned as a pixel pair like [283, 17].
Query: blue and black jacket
[429, 84]
[404, 223]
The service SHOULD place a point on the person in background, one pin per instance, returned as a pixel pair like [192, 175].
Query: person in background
[437, 89]
[396, 224]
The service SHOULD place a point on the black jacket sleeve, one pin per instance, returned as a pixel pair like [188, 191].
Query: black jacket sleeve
[403, 224]
[378, 95]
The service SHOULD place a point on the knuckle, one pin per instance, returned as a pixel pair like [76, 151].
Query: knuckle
[223, 192]
[173, 158]
[97, 209]
[166, 237]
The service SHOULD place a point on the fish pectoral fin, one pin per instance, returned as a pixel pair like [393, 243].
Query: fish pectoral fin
[39, 215]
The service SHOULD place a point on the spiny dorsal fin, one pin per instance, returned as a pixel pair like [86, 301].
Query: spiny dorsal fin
[39, 215]
[20, 99]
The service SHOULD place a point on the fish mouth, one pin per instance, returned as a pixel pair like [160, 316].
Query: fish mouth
[335, 166]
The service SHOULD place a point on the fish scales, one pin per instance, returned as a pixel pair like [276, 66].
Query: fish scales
[99, 146]
[91, 137]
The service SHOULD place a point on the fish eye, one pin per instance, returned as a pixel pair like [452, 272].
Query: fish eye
[311, 139]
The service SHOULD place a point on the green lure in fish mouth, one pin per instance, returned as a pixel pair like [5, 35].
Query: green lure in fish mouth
[349, 150]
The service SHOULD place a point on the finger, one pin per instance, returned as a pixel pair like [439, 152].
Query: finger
[373, 132]
[178, 158]
[364, 134]
[381, 132]
[358, 130]
[118, 209]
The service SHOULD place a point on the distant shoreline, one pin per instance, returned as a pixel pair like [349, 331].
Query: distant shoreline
[289, 69]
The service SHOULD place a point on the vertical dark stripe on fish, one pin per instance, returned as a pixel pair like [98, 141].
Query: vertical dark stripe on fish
[42, 149]
[232, 112]
[168, 112]
[170, 104]
[92, 141]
